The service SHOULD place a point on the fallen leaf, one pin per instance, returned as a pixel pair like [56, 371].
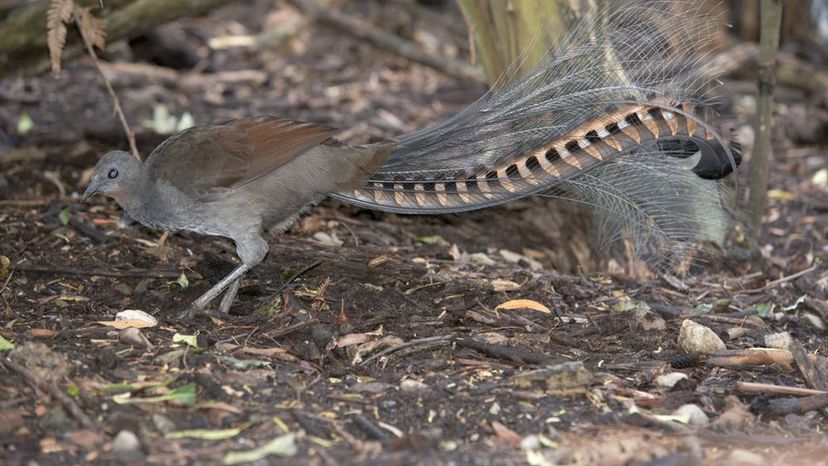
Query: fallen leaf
[434, 239]
[283, 445]
[189, 340]
[780, 195]
[135, 314]
[504, 285]
[206, 434]
[122, 324]
[353, 339]
[524, 304]
[183, 395]
[506, 435]
[5, 345]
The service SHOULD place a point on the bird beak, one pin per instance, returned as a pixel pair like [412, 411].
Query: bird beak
[90, 191]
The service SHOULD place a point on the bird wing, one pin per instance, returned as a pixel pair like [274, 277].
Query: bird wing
[208, 161]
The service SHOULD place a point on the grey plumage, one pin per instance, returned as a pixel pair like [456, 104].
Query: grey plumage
[235, 179]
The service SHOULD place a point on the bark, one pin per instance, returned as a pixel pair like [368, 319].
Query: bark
[768, 47]
[23, 33]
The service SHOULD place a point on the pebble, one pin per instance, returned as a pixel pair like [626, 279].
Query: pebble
[125, 442]
[744, 458]
[648, 320]
[696, 338]
[670, 380]
[781, 340]
[413, 386]
[695, 415]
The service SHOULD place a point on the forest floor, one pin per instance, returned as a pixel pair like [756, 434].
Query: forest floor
[369, 338]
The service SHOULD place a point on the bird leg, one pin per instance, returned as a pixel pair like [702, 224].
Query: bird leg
[229, 296]
[231, 280]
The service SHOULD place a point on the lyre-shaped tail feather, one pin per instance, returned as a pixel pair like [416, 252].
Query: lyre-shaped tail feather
[623, 87]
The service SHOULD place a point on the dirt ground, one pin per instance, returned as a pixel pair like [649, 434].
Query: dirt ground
[368, 338]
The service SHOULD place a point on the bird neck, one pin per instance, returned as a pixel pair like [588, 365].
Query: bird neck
[130, 197]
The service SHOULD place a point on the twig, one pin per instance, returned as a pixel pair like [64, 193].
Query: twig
[296, 275]
[91, 232]
[138, 273]
[292, 328]
[779, 281]
[408, 344]
[6, 283]
[364, 31]
[807, 367]
[373, 431]
[115, 100]
[505, 353]
[24, 202]
[754, 388]
[54, 391]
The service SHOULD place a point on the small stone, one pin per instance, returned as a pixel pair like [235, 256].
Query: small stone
[734, 333]
[648, 320]
[125, 442]
[745, 458]
[696, 338]
[670, 380]
[813, 319]
[413, 386]
[163, 423]
[695, 415]
[133, 336]
[781, 340]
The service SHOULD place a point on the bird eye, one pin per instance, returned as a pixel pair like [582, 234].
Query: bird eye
[113, 173]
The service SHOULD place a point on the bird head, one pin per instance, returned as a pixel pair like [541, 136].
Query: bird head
[116, 175]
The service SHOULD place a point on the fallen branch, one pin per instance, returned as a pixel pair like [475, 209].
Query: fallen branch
[754, 388]
[53, 270]
[53, 391]
[381, 39]
[23, 40]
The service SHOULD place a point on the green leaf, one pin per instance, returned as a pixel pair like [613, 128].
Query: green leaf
[169, 357]
[703, 308]
[434, 239]
[182, 281]
[24, 124]
[183, 395]
[64, 216]
[283, 445]
[207, 434]
[73, 391]
[626, 305]
[189, 340]
[761, 309]
[5, 345]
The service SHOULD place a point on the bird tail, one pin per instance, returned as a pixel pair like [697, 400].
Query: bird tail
[615, 116]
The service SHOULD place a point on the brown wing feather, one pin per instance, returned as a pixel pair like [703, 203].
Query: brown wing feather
[210, 160]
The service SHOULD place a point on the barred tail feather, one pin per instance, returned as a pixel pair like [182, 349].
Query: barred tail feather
[615, 116]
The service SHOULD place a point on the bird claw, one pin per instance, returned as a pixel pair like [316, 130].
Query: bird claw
[189, 312]
[193, 310]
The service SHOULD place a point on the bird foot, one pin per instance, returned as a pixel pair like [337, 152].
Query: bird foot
[192, 311]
